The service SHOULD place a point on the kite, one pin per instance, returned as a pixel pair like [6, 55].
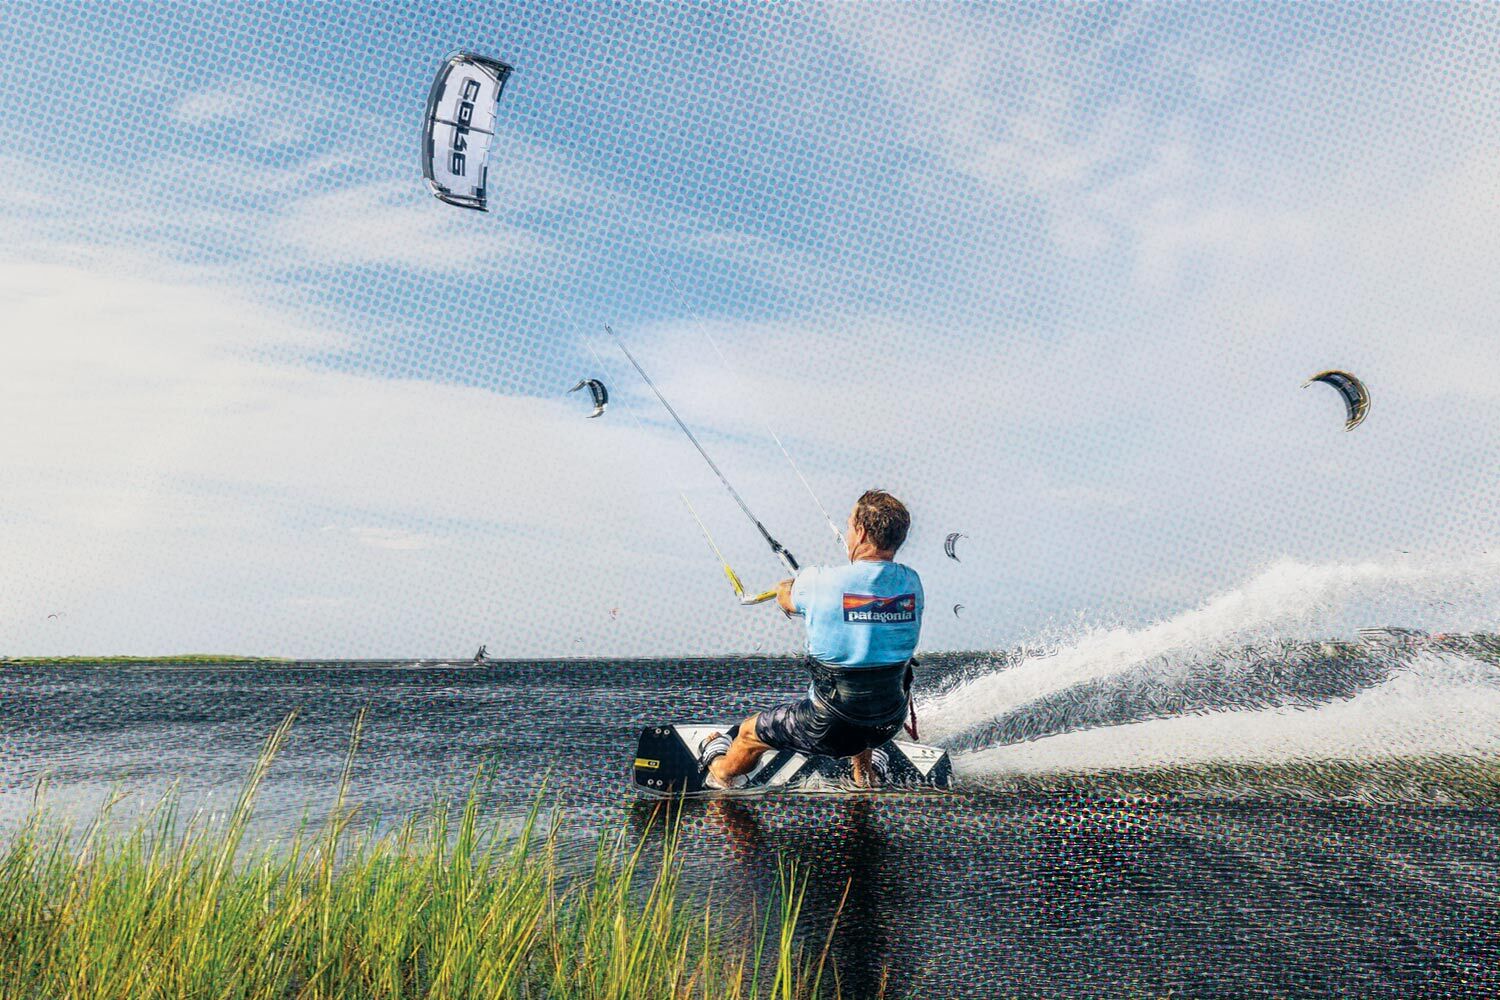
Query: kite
[459, 128]
[598, 391]
[1356, 396]
[950, 542]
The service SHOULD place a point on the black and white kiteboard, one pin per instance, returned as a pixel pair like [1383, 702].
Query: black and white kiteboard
[666, 764]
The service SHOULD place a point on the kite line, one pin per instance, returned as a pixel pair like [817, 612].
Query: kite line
[704, 330]
[734, 579]
[787, 559]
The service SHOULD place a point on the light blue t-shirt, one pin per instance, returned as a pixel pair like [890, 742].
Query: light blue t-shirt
[862, 614]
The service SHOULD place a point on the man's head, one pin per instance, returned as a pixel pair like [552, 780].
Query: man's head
[879, 521]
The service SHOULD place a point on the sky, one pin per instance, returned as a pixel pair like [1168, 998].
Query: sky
[1053, 275]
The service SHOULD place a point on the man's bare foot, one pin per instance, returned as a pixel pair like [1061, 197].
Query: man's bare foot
[711, 758]
[713, 747]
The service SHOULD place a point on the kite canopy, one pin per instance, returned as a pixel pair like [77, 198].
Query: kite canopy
[598, 391]
[950, 542]
[459, 128]
[1356, 396]
[957, 608]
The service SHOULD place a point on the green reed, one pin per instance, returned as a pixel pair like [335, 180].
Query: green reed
[435, 906]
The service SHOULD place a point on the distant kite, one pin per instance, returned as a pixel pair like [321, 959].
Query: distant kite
[956, 609]
[597, 390]
[1356, 396]
[950, 542]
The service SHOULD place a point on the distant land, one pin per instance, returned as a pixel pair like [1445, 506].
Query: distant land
[188, 659]
[226, 660]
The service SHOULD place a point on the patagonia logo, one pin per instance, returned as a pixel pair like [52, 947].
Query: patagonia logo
[880, 610]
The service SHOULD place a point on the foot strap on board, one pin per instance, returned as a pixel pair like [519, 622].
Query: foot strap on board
[712, 749]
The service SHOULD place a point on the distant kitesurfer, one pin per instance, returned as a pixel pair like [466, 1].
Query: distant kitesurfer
[863, 621]
[479, 656]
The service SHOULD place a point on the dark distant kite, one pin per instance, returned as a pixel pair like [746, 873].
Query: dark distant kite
[597, 390]
[956, 609]
[950, 542]
[1356, 396]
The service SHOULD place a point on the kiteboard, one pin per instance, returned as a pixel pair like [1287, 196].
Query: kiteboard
[666, 765]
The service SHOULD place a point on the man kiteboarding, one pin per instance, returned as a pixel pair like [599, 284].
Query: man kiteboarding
[863, 620]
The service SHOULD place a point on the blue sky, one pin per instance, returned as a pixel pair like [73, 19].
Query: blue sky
[1054, 275]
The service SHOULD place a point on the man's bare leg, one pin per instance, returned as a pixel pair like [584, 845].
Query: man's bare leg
[742, 754]
[864, 774]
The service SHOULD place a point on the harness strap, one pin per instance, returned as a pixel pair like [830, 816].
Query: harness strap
[833, 684]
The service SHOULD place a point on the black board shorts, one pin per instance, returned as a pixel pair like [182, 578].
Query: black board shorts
[809, 728]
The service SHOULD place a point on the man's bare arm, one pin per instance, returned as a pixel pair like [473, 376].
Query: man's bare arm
[784, 597]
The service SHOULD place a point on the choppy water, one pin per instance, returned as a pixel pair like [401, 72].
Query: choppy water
[1250, 799]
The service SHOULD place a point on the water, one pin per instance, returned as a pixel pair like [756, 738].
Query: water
[1040, 879]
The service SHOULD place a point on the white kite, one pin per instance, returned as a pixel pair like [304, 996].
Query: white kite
[460, 128]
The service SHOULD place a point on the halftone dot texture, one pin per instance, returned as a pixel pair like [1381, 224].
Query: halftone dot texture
[1051, 274]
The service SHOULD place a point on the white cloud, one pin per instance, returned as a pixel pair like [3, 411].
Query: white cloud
[392, 538]
[270, 117]
[162, 473]
[1151, 146]
[391, 224]
[305, 179]
[168, 491]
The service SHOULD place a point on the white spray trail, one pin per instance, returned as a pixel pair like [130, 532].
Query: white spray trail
[1289, 600]
[1446, 704]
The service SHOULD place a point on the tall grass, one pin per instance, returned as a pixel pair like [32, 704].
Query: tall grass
[432, 907]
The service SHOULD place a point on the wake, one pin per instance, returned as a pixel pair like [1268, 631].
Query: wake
[1275, 671]
[1442, 706]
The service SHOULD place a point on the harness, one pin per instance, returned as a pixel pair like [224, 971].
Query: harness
[872, 696]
